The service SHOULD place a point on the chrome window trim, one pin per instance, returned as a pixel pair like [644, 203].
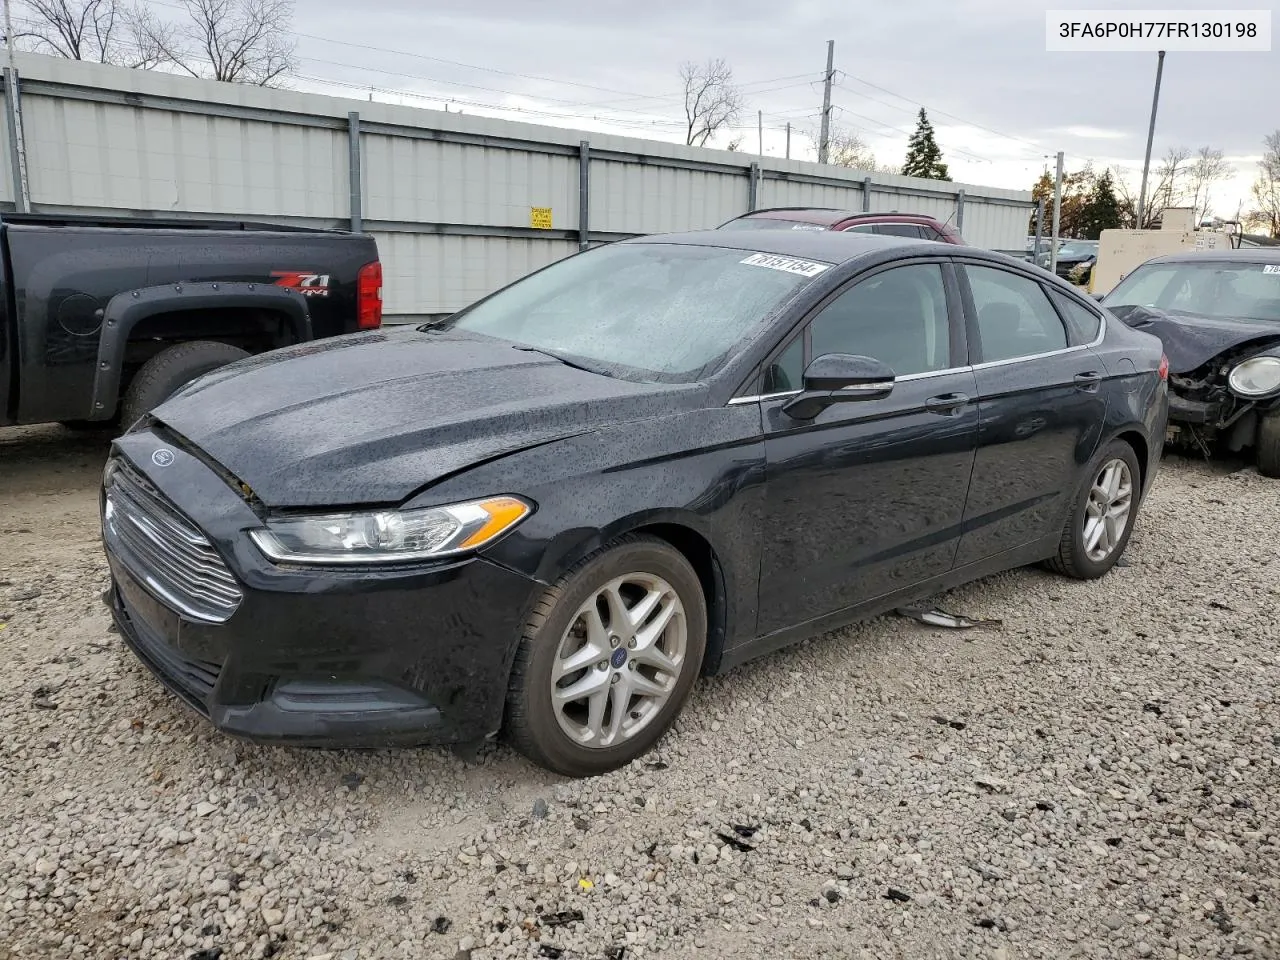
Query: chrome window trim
[1095, 342]
[926, 375]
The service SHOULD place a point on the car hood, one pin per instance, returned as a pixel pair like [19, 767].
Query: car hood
[373, 418]
[1192, 341]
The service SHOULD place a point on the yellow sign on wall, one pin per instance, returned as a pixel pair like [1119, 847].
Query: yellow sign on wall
[540, 218]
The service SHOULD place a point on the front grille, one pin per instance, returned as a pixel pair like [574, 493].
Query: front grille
[164, 550]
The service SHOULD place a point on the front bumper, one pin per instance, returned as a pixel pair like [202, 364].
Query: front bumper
[1198, 412]
[333, 658]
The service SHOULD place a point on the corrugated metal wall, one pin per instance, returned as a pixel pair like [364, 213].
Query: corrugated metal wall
[449, 197]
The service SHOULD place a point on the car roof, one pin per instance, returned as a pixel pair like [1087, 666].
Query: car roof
[1249, 255]
[830, 216]
[826, 246]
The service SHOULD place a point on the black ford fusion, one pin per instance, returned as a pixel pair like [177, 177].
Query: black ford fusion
[549, 513]
[1218, 316]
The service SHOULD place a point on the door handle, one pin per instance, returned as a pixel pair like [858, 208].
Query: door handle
[947, 405]
[1088, 381]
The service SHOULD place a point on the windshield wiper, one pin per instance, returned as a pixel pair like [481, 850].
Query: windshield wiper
[556, 356]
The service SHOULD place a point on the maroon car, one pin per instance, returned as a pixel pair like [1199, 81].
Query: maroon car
[915, 225]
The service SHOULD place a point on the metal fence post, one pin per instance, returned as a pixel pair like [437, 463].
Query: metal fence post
[753, 191]
[960, 209]
[13, 124]
[866, 194]
[584, 194]
[353, 165]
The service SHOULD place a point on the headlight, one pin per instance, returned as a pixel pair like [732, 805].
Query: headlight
[1256, 377]
[390, 536]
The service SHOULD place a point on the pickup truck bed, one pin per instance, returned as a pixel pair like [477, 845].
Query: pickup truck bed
[88, 306]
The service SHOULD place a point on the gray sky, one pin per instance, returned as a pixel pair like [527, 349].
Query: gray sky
[998, 101]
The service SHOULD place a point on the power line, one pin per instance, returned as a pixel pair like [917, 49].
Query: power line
[942, 113]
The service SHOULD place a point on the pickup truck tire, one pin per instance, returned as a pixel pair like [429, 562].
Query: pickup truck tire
[162, 375]
[1269, 444]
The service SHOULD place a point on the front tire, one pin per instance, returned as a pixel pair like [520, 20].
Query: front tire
[1102, 517]
[1268, 446]
[607, 659]
[162, 375]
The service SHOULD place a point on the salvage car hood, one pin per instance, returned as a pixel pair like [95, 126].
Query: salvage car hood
[1192, 341]
[373, 418]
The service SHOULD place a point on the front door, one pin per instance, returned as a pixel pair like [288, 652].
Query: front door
[1040, 408]
[867, 498]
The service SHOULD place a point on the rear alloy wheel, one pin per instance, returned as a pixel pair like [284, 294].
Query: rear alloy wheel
[1102, 517]
[608, 659]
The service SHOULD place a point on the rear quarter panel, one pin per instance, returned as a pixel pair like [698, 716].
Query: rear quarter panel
[64, 276]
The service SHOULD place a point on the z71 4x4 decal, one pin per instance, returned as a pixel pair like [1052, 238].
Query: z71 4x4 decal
[306, 283]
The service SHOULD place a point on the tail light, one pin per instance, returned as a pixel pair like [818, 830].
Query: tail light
[1164, 367]
[369, 296]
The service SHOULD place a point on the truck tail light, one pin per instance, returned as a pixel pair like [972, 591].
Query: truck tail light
[369, 296]
[1164, 367]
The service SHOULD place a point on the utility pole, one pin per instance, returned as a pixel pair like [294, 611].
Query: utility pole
[788, 139]
[1057, 218]
[760, 133]
[1151, 132]
[22, 199]
[825, 139]
[1035, 248]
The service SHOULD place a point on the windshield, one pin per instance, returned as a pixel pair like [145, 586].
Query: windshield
[1077, 250]
[769, 223]
[1208, 289]
[642, 311]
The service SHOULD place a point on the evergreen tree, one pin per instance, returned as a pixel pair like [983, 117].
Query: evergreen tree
[924, 157]
[1102, 209]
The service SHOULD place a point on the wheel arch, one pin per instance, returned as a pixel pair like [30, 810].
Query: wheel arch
[686, 535]
[130, 309]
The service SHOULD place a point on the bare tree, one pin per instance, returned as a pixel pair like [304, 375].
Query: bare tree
[711, 99]
[1169, 189]
[846, 149]
[104, 31]
[1207, 168]
[1266, 188]
[236, 41]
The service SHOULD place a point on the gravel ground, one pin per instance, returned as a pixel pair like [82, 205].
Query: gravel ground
[1098, 778]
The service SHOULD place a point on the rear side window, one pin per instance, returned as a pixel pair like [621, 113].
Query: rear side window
[1085, 321]
[1013, 315]
[914, 231]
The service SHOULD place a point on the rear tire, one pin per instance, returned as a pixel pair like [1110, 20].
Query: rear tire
[1113, 480]
[1269, 444]
[162, 375]
[578, 737]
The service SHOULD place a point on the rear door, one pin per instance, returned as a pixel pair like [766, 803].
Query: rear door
[866, 498]
[1040, 405]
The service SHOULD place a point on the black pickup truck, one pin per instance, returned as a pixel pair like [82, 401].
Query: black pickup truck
[103, 319]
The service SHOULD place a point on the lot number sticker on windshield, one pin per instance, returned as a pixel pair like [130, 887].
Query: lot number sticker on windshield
[805, 268]
[1271, 268]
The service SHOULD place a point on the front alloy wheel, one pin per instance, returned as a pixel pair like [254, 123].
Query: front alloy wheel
[620, 660]
[608, 658]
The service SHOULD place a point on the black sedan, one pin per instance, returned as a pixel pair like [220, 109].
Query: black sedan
[549, 513]
[1218, 315]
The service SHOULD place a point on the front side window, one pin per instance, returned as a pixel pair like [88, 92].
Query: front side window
[1014, 317]
[643, 311]
[898, 317]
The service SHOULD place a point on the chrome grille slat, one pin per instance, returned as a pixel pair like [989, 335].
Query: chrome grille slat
[166, 551]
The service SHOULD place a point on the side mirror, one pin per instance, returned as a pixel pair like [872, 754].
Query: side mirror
[839, 378]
